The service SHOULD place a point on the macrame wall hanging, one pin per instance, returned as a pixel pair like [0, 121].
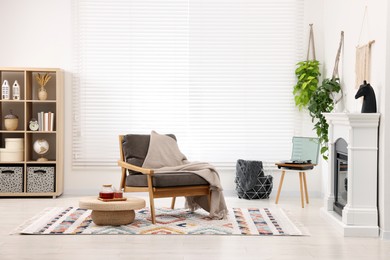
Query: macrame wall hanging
[363, 56]
[338, 97]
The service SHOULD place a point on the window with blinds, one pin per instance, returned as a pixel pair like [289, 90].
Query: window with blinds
[216, 73]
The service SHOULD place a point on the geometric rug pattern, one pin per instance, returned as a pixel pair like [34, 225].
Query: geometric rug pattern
[240, 221]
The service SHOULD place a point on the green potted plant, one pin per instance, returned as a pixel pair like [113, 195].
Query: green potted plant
[320, 102]
[307, 74]
[323, 100]
[317, 99]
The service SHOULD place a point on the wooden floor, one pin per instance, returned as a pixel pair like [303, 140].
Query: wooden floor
[324, 242]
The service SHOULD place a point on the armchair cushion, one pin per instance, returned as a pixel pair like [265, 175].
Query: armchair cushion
[135, 148]
[161, 180]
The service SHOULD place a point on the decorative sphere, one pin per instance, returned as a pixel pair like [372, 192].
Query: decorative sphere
[41, 146]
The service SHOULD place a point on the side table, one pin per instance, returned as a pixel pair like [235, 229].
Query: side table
[113, 213]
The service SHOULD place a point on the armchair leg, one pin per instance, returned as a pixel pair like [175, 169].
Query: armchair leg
[151, 199]
[152, 211]
[173, 202]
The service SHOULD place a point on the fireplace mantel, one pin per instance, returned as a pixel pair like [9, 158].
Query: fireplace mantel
[360, 131]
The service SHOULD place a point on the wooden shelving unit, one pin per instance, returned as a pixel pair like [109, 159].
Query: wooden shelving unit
[34, 181]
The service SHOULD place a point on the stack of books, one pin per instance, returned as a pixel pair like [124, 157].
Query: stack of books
[46, 121]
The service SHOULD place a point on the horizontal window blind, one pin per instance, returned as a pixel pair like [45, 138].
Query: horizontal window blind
[218, 74]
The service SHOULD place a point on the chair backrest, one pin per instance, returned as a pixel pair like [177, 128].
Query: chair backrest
[135, 148]
[305, 148]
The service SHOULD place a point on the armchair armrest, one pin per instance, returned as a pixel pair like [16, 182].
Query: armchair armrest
[135, 168]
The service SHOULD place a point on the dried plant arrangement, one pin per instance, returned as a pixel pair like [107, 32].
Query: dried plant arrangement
[42, 80]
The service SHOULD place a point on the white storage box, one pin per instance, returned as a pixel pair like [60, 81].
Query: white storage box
[11, 179]
[40, 178]
[11, 156]
[14, 144]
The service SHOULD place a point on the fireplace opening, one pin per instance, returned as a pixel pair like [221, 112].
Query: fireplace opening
[340, 176]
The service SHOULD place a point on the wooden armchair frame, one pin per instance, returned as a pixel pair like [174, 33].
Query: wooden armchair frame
[155, 192]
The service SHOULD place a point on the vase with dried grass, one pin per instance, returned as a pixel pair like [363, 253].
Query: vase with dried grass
[42, 80]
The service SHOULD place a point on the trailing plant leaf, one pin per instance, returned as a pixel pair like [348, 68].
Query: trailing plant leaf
[307, 74]
[321, 101]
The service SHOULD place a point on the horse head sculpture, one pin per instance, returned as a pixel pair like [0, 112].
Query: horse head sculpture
[368, 94]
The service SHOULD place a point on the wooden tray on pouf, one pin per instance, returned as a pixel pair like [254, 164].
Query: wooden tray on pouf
[114, 199]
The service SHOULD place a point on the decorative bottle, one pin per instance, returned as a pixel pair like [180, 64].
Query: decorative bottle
[16, 91]
[5, 90]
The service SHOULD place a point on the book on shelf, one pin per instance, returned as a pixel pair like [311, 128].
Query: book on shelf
[46, 121]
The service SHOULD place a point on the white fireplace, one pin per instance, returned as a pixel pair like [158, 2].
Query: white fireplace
[359, 216]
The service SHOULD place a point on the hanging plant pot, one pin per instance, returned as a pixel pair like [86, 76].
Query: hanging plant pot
[322, 102]
[307, 74]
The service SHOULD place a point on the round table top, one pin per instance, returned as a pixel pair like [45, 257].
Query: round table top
[93, 203]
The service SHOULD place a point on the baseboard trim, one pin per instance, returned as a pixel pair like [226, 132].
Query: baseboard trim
[385, 235]
[349, 230]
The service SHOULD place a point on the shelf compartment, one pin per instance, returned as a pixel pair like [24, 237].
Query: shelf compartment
[17, 109]
[32, 85]
[33, 108]
[11, 76]
[9, 134]
[31, 155]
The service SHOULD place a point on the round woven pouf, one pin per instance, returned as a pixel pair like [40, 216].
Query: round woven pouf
[113, 213]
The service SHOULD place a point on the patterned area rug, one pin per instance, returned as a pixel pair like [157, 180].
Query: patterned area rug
[251, 221]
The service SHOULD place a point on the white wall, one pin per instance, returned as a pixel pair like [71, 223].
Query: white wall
[35, 33]
[384, 178]
[314, 15]
[348, 15]
[39, 34]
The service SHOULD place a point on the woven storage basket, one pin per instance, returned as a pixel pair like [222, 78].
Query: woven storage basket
[11, 179]
[251, 183]
[40, 178]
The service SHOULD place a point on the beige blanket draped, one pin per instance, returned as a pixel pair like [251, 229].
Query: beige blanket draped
[164, 156]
